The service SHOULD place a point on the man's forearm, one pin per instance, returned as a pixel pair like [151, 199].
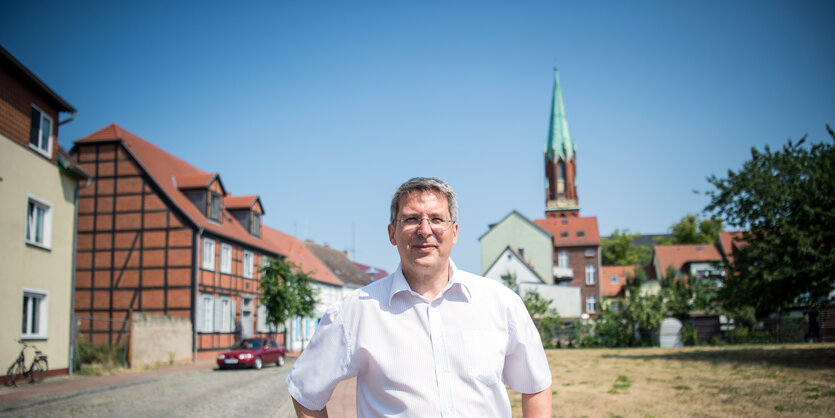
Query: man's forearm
[537, 405]
[303, 412]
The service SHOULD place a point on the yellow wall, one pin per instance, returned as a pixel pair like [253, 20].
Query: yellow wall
[24, 171]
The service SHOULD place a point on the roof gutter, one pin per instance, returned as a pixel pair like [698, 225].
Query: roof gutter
[65, 121]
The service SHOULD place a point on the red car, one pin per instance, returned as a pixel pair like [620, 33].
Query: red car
[253, 352]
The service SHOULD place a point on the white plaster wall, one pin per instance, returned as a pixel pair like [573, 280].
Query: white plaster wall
[565, 299]
[296, 338]
[519, 233]
[23, 171]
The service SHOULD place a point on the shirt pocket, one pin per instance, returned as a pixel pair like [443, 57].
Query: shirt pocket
[485, 355]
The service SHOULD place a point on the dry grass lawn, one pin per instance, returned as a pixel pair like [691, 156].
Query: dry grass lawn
[770, 380]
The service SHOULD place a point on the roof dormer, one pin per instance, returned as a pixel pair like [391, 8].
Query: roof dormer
[247, 210]
[205, 191]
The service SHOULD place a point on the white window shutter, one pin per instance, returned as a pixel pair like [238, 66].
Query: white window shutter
[218, 315]
[261, 321]
[198, 315]
[232, 324]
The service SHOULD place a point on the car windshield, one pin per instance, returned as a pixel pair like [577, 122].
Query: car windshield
[248, 344]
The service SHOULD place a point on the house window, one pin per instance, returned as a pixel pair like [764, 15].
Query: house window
[34, 315]
[589, 274]
[591, 304]
[615, 306]
[581, 233]
[225, 258]
[613, 279]
[563, 234]
[562, 259]
[40, 132]
[589, 253]
[38, 222]
[206, 322]
[255, 228]
[214, 207]
[208, 254]
[560, 177]
[248, 256]
[225, 315]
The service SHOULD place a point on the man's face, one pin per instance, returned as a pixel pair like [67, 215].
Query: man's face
[421, 249]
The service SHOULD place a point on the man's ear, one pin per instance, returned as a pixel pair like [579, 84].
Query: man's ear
[455, 233]
[391, 234]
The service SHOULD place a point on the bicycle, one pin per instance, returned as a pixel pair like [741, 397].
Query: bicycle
[37, 370]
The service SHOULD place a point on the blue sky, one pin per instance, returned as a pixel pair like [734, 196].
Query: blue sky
[324, 108]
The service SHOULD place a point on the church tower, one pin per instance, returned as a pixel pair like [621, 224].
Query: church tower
[560, 162]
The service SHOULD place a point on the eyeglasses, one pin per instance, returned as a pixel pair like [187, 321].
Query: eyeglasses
[438, 225]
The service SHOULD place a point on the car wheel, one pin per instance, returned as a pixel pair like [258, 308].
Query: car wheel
[258, 363]
[280, 361]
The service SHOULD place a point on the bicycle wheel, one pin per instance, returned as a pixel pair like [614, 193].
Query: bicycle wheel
[15, 371]
[38, 370]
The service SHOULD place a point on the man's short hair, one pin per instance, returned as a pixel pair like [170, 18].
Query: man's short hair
[424, 184]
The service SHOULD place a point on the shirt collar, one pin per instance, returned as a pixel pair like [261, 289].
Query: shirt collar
[458, 279]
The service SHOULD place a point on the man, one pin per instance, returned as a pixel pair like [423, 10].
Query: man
[429, 340]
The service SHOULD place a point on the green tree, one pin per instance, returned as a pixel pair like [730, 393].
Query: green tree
[286, 291]
[784, 200]
[620, 250]
[693, 229]
[539, 308]
[509, 280]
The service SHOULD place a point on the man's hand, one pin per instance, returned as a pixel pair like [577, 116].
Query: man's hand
[537, 405]
[303, 412]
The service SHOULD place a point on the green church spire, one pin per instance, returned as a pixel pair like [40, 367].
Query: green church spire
[559, 138]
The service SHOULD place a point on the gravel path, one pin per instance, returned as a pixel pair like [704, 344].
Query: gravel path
[200, 393]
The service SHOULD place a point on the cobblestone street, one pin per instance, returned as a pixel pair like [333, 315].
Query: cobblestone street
[202, 392]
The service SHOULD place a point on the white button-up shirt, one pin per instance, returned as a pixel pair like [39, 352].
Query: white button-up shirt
[414, 357]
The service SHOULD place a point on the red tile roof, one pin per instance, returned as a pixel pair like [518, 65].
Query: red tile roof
[239, 202]
[297, 253]
[679, 255]
[730, 242]
[379, 273]
[610, 289]
[571, 227]
[195, 181]
[163, 168]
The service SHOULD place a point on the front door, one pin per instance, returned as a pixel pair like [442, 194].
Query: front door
[246, 318]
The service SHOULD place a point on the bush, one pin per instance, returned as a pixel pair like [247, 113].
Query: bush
[104, 355]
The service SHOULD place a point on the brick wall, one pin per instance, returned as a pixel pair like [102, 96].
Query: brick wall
[134, 252]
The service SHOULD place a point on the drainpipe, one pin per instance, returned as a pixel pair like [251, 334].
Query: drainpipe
[194, 281]
[72, 275]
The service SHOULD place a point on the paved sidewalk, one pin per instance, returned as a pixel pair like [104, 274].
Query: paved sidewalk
[64, 387]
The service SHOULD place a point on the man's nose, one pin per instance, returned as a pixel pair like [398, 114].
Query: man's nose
[424, 230]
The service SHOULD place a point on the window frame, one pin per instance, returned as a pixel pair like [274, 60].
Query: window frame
[41, 316]
[614, 279]
[255, 224]
[210, 208]
[591, 304]
[560, 256]
[207, 321]
[590, 270]
[206, 264]
[46, 238]
[225, 259]
[38, 147]
[247, 267]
